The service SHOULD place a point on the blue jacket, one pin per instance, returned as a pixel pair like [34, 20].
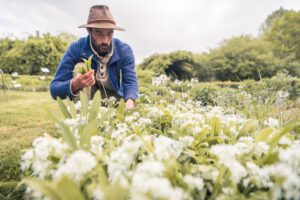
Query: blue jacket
[122, 74]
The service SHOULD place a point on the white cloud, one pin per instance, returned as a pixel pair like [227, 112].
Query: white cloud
[151, 26]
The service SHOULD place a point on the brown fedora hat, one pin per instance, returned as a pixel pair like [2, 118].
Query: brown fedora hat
[100, 17]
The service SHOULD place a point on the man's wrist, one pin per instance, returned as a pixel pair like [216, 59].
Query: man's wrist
[73, 88]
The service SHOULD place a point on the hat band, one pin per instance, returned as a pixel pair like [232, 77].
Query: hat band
[96, 21]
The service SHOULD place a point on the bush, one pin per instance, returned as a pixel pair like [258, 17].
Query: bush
[206, 93]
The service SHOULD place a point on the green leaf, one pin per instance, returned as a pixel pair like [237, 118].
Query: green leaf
[45, 187]
[63, 108]
[202, 135]
[73, 111]
[95, 106]
[68, 136]
[84, 60]
[87, 132]
[279, 134]
[115, 191]
[263, 135]
[216, 127]
[120, 112]
[89, 63]
[68, 189]
[248, 128]
[84, 103]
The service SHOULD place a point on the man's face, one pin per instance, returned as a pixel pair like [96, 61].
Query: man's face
[101, 39]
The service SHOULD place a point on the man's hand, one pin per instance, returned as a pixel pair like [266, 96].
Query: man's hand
[129, 104]
[82, 80]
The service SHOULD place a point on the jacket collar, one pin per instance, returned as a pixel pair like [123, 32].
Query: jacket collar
[87, 51]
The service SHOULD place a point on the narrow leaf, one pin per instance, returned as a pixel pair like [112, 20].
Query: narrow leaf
[249, 127]
[215, 125]
[84, 103]
[45, 187]
[89, 63]
[68, 189]
[63, 108]
[95, 106]
[68, 136]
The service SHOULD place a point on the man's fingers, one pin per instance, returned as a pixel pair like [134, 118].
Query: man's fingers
[88, 82]
[89, 74]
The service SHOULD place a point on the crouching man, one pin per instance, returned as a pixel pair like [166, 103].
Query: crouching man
[112, 65]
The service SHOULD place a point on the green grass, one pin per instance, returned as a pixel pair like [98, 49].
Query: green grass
[23, 117]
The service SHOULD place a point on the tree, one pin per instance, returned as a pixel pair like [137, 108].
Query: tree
[284, 34]
[29, 55]
[242, 57]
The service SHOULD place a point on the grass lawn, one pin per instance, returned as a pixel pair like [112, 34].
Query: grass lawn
[23, 117]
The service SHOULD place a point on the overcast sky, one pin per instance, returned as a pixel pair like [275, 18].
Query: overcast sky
[152, 26]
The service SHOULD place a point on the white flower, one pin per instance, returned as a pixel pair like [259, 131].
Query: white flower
[178, 82]
[77, 165]
[77, 105]
[194, 182]
[97, 143]
[227, 155]
[194, 80]
[121, 159]
[271, 122]
[37, 158]
[165, 148]
[184, 95]
[291, 156]
[257, 176]
[27, 159]
[285, 141]
[148, 183]
[98, 194]
[186, 140]
[261, 148]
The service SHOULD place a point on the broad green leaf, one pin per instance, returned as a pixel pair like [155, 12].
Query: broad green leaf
[215, 125]
[115, 191]
[88, 131]
[69, 190]
[202, 135]
[102, 177]
[68, 136]
[63, 108]
[249, 127]
[121, 110]
[279, 134]
[95, 106]
[45, 187]
[262, 135]
[73, 111]
[55, 117]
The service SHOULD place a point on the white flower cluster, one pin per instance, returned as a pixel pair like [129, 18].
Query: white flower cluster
[172, 151]
[160, 80]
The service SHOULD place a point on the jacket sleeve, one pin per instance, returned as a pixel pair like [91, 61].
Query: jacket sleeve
[129, 78]
[60, 85]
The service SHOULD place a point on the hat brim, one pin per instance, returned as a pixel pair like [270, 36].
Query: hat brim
[102, 25]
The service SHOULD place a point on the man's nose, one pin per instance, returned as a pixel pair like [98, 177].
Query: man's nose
[105, 39]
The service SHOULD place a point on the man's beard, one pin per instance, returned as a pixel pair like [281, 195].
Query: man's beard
[99, 48]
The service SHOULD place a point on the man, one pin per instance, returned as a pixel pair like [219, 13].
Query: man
[113, 63]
